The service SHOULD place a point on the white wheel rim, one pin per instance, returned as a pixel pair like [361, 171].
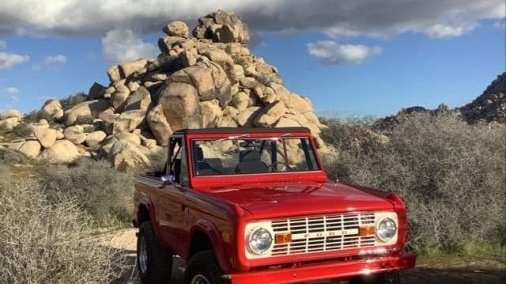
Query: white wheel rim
[199, 279]
[143, 255]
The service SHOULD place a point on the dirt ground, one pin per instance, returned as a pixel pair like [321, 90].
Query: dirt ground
[125, 242]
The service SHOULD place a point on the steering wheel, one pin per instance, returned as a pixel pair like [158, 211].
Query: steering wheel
[272, 166]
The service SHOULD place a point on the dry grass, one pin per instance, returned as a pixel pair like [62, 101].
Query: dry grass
[98, 189]
[451, 174]
[45, 242]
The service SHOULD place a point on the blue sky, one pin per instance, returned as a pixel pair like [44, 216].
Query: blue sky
[346, 65]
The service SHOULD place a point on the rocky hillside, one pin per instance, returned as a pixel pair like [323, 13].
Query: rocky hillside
[490, 106]
[210, 79]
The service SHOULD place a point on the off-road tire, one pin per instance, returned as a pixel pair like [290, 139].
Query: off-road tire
[205, 264]
[159, 260]
[381, 278]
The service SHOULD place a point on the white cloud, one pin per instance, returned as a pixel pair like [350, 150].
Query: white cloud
[11, 92]
[8, 60]
[339, 18]
[50, 61]
[122, 45]
[55, 60]
[448, 31]
[3, 44]
[334, 53]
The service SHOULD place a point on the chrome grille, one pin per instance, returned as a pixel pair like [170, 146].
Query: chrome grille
[322, 233]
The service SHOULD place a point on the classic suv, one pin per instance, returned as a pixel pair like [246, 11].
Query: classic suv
[255, 206]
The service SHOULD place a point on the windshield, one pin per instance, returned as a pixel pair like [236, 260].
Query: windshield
[252, 156]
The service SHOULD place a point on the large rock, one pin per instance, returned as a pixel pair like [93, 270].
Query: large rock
[127, 156]
[159, 125]
[246, 117]
[30, 148]
[221, 57]
[85, 110]
[96, 91]
[114, 74]
[176, 28]
[10, 113]
[9, 123]
[52, 109]
[223, 27]
[211, 114]
[128, 121]
[180, 105]
[118, 100]
[108, 117]
[136, 66]
[75, 134]
[62, 151]
[46, 136]
[271, 114]
[138, 100]
[95, 138]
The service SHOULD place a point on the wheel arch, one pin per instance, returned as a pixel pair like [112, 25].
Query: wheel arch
[205, 236]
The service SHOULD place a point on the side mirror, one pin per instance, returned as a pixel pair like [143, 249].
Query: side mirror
[167, 179]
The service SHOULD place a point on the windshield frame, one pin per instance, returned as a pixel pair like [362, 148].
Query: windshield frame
[311, 147]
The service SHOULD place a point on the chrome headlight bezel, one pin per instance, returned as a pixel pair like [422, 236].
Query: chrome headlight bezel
[260, 241]
[255, 227]
[386, 229]
[391, 221]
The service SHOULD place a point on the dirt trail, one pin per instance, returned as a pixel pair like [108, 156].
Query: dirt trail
[125, 242]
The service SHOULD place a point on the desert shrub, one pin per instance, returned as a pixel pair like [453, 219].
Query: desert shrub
[8, 157]
[451, 174]
[99, 190]
[73, 100]
[44, 242]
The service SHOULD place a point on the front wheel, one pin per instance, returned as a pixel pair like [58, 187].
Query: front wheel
[381, 278]
[154, 262]
[203, 269]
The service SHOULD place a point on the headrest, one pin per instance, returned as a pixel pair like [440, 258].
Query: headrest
[199, 154]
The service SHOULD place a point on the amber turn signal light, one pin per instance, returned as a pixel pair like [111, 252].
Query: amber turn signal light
[283, 238]
[366, 231]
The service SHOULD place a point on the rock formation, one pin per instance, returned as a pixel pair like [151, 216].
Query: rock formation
[490, 106]
[205, 81]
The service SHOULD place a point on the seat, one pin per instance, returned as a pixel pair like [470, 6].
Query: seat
[251, 163]
[202, 167]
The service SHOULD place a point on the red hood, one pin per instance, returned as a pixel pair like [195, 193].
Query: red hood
[271, 200]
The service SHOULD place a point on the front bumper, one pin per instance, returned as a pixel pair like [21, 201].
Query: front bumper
[331, 270]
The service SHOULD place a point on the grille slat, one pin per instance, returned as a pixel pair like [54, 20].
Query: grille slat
[323, 233]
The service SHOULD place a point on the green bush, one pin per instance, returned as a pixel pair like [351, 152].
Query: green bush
[45, 242]
[451, 174]
[99, 190]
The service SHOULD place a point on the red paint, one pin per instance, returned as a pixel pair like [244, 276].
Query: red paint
[221, 206]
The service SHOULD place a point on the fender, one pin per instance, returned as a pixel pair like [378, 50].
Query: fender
[146, 202]
[222, 253]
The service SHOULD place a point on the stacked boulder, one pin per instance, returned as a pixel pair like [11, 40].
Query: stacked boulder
[205, 81]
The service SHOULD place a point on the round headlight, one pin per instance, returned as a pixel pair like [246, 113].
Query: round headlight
[386, 229]
[260, 241]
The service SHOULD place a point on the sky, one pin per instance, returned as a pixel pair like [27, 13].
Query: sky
[351, 58]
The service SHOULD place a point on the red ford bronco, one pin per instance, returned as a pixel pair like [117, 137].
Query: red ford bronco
[255, 206]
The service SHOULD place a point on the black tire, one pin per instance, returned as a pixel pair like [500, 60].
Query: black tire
[382, 278]
[204, 264]
[156, 266]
